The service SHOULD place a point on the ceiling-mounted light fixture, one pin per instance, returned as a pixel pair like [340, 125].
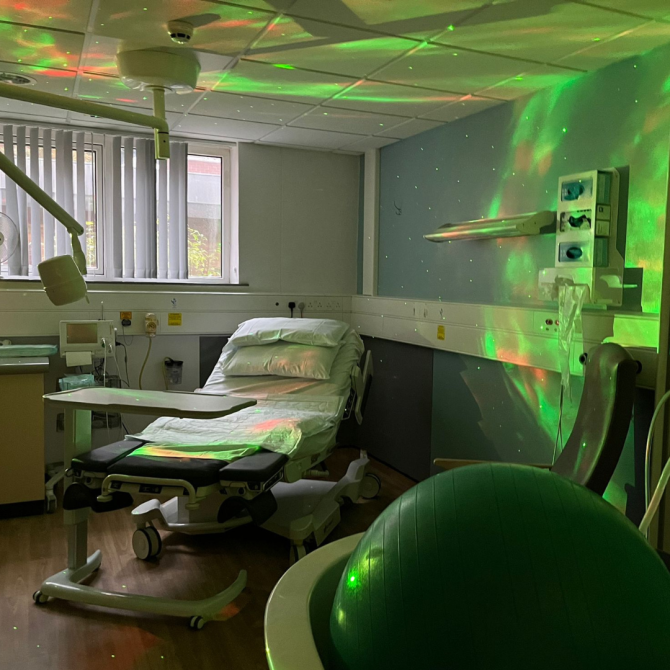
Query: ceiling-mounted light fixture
[511, 226]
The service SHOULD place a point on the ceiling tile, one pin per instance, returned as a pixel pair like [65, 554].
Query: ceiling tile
[409, 128]
[61, 14]
[417, 18]
[374, 96]
[46, 79]
[542, 76]
[222, 29]
[369, 143]
[267, 81]
[17, 109]
[541, 30]
[447, 69]
[625, 46]
[37, 46]
[101, 88]
[327, 48]
[222, 128]
[267, 5]
[246, 108]
[346, 120]
[99, 55]
[654, 9]
[86, 120]
[310, 138]
[466, 106]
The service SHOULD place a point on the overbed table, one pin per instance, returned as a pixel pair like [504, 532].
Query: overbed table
[77, 406]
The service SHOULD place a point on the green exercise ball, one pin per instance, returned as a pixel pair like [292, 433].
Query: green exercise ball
[497, 567]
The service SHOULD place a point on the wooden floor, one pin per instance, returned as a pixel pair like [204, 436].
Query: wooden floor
[67, 636]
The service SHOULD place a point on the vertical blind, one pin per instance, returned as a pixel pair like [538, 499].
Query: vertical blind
[147, 209]
[32, 150]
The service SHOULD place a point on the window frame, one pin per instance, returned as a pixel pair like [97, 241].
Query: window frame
[223, 151]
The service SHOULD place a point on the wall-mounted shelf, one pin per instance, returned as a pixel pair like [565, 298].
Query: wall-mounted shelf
[482, 229]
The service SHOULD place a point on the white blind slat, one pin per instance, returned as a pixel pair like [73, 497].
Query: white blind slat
[22, 199]
[141, 222]
[14, 263]
[35, 209]
[173, 221]
[152, 269]
[80, 148]
[48, 187]
[162, 219]
[68, 182]
[117, 209]
[60, 187]
[128, 209]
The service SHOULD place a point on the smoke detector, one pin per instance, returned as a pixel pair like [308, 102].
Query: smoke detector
[16, 79]
[175, 70]
[180, 32]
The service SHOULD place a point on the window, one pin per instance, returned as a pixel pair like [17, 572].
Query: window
[150, 220]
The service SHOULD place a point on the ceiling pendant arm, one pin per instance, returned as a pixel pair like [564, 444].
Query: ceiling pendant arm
[159, 124]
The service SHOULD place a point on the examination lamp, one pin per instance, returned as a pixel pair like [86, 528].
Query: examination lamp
[62, 276]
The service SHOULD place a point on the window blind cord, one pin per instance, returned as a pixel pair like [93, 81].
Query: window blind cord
[146, 358]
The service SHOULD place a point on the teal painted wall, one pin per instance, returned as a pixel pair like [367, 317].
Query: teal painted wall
[507, 160]
[503, 161]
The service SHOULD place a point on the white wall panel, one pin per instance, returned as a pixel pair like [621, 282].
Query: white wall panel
[298, 220]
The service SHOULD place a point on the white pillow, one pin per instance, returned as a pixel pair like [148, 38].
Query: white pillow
[316, 332]
[282, 359]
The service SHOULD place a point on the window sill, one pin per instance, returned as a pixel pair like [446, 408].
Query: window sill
[100, 283]
[203, 281]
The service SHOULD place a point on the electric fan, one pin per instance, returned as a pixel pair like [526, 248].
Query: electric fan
[9, 238]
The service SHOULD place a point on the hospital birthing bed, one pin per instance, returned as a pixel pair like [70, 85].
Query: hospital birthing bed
[256, 465]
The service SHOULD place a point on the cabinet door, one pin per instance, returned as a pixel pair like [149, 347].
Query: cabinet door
[21, 438]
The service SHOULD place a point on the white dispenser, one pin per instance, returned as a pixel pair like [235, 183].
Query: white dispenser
[586, 234]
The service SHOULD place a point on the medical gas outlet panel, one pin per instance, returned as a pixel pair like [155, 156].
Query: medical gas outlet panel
[586, 234]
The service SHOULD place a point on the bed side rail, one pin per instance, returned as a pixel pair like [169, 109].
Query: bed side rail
[361, 381]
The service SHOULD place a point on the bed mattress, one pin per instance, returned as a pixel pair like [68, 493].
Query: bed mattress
[296, 417]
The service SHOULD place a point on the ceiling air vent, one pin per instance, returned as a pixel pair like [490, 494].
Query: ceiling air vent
[17, 79]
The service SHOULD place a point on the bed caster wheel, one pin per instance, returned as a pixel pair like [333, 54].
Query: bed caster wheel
[40, 598]
[298, 551]
[196, 623]
[147, 543]
[370, 486]
[51, 504]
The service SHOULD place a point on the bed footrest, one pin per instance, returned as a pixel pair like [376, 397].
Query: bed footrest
[78, 496]
[258, 467]
[260, 509]
[99, 460]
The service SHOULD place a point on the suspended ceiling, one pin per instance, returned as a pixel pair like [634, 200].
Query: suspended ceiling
[344, 75]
